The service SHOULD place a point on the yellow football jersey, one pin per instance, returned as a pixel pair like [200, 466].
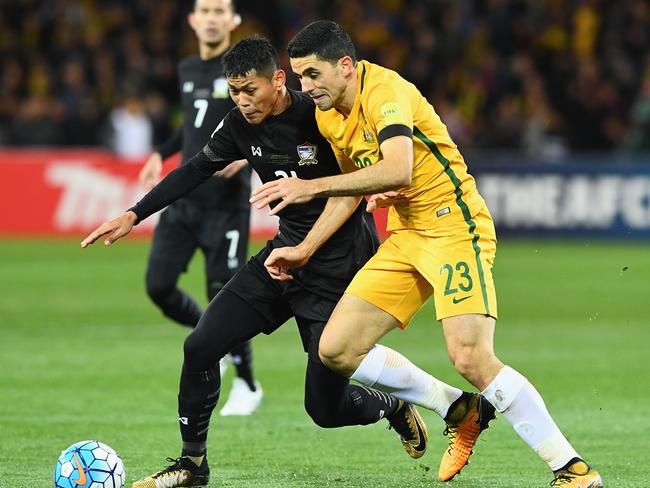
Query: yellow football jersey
[441, 192]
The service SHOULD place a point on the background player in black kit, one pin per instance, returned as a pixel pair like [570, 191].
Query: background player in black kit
[214, 217]
[275, 129]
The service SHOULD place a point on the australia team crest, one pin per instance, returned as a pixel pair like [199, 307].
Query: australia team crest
[307, 154]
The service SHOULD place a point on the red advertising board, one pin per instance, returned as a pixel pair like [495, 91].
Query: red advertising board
[70, 192]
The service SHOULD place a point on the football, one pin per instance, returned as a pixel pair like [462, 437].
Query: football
[89, 464]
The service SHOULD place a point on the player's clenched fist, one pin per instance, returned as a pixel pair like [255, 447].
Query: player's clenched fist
[283, 259]
[112, 230]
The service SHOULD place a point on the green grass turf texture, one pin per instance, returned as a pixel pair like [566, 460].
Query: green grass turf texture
[85, 355]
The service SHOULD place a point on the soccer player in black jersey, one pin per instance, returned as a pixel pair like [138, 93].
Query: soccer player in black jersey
[275, 129]
[214, 217]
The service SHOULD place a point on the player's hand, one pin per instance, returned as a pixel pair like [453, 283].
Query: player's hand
[151, 171]
[283, 259]
[232, 169]
[112, 230]
[289, 190]
[382, 200]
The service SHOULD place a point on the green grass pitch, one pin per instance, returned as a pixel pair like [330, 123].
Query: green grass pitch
[85, 355]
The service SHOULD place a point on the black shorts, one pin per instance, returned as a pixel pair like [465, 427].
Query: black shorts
[309, 298]
[222, 236]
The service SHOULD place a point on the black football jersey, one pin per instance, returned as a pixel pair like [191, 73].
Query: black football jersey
[205, 100]
[287, 145]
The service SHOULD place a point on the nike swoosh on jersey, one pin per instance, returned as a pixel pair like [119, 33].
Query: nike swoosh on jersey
[458, 300]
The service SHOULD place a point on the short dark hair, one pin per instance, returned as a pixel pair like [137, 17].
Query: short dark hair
[232, 5]
[251, 53]
[324, 38]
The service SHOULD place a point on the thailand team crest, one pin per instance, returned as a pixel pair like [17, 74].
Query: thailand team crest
[307, 153]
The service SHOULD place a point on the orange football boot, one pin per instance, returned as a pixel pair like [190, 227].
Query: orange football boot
[467, 418]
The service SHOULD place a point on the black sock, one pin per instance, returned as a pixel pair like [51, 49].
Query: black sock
[194, 449]
[395, 405]
[197, 397]
[331, 401]
[372, 404]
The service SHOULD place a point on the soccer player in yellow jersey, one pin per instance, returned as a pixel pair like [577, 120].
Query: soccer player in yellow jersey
[391, 143]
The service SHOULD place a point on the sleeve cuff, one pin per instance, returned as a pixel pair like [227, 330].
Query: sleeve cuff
[137, 217]
[393, 131]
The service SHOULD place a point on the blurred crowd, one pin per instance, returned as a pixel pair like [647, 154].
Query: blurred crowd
[542, 76]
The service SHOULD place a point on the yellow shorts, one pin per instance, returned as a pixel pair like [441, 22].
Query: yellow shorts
[411, 265]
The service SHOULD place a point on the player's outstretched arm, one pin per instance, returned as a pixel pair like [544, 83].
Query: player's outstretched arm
[112, 230]
[392, 172]
[175, 185]
[282, 259]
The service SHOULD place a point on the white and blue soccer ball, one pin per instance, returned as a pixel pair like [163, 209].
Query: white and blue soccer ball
[89, 464]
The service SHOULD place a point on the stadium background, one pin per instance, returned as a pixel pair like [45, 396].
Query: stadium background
[549, 102]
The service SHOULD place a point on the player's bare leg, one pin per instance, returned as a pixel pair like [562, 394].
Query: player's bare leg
[351, 332]
[470, 340]
[470, 346]
[473, 356]
[348, 346]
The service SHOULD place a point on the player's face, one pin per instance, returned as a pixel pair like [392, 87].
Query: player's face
[323, 81]
[257, 97]
[212, 21]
